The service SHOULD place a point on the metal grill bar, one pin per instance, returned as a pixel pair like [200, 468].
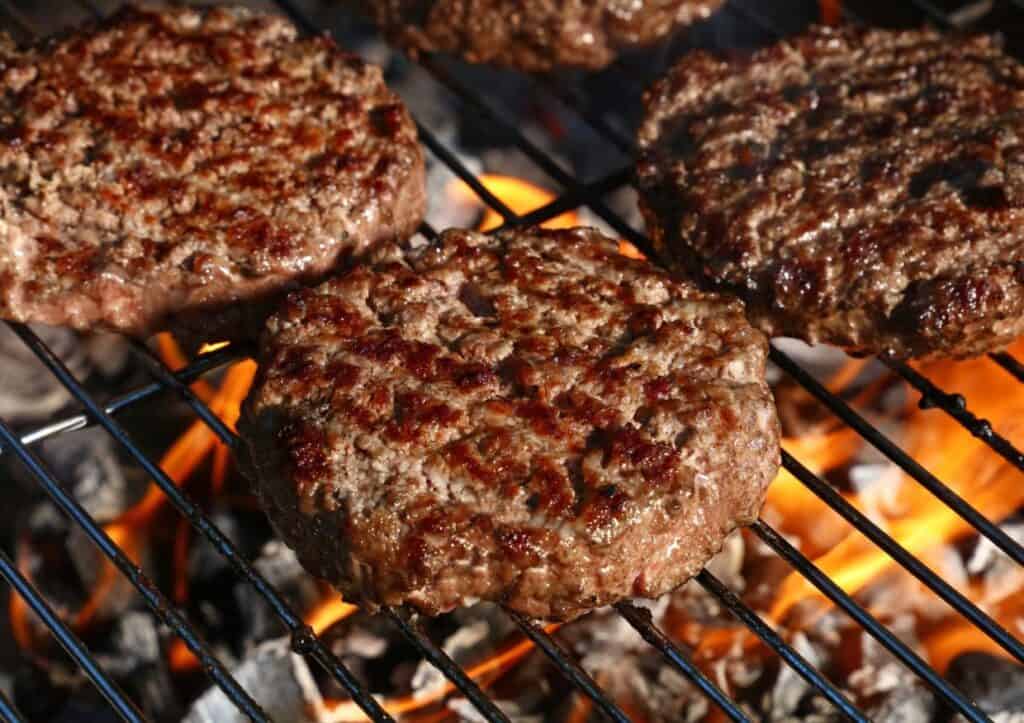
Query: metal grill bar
[907, 463]
[640, 619]
[956, 407]
[1011, 365]
[303, 639]
[900, 554]
[441, 660]
[576, 193]
[67, 639]
[154, 599]
[569, 668]
[867, 621]
[8, 713]
[771, 638]
[202, 365]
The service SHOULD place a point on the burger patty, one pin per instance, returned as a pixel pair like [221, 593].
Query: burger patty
[529, 418]
[536, 35]
[181, 168]
[859, 187]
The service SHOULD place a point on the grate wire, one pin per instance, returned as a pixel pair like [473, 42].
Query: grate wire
[576, 193]
[8, 713]
[124, 708]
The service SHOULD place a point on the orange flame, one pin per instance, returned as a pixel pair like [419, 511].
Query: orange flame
[131, 530]
[519, 195]
[918, 521]
[328, 612]
[489, 669]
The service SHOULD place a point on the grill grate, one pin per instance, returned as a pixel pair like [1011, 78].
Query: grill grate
[575, 193]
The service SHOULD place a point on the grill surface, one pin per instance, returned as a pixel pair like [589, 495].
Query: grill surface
[575, 193]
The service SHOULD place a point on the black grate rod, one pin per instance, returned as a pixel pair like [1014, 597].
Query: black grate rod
[201, 365]
[569, 668]
[955, 406]
[933, 13]
[151, 595]
[451, 670]
[640, 619]
[428, 231]
[124, 707]
[908, 464]
[573, 199]
[303, 640]
[795, 661]
[453, 163]
[875, 629]
[577, 101]
[901, 555]
[1010, 364]
[8, 713]
[23, 27]
[541, 159]
[166, 377]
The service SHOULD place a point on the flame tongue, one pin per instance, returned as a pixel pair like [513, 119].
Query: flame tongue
[922, 524]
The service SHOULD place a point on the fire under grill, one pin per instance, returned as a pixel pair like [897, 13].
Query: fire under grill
[749, 22]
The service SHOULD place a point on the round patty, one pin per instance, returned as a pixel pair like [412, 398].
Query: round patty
[536, 35]
[859, 187]
[180, 168]
[527, 418]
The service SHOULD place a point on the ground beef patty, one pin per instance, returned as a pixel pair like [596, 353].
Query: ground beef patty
[535, 35]
[177, 168]
[859, 187]
[528, 418]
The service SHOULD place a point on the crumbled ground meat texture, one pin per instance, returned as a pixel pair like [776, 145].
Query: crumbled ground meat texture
[528, 418]
[537, 35]
[859, 187]
[180, 168]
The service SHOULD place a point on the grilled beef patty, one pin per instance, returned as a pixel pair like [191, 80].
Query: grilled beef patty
[528, 418]
[179, 168]
[536, 35]
[859, 187]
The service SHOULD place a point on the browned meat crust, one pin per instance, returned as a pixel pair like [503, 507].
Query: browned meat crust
[177, 168]
[536, 35]
[528, 418]
[859, 187]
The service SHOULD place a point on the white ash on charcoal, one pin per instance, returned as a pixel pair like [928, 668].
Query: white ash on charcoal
[376, 652]
[986, 564]
[137, 663]
[884, 686]
[30, 393]
[468, 713]
[278, 680]
[278, 564]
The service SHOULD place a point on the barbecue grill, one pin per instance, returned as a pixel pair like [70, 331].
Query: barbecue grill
[575, 193]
